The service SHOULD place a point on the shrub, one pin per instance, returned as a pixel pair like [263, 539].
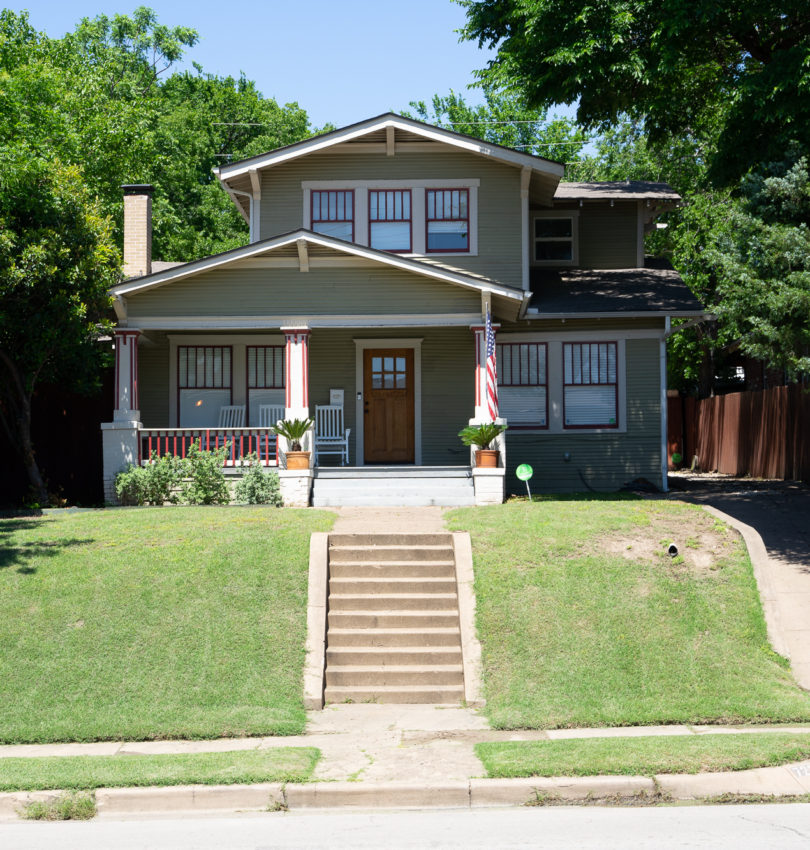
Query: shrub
[258, 487]
[153, 484]
[207, 485]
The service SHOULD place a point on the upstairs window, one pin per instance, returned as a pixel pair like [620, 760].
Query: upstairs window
[590, 385]
[555, 240]
[523, 384]
[389, 219]
[447, 220]
[333, 213]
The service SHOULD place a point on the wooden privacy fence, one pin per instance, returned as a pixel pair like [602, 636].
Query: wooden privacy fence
[762, 433]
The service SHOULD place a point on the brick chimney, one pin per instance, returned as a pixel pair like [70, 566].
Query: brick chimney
[137, 229]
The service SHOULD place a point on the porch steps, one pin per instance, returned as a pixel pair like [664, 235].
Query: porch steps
[393, 629]
[398, 486]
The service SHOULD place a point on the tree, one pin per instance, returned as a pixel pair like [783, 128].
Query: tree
[675, 65]
[57, 261]
[503, 120]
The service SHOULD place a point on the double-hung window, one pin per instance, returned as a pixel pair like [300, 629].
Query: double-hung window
[447, 220]
[389, 219]
[555, 240]
[333, 213]
[590, 385]
[523, 383]
[265, 378]
[204, 383]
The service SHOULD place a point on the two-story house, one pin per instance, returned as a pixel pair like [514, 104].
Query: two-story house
[375, 253]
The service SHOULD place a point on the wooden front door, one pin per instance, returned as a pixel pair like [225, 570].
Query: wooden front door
[388, 405]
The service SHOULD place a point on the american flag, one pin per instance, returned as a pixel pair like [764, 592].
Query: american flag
[492, 371]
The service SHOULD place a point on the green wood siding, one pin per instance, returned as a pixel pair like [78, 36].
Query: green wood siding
[283, 292]
[603, 462]
[153, 382]
[608, 236]
[499, 211]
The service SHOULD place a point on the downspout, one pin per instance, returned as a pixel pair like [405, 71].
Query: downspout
[664, 423]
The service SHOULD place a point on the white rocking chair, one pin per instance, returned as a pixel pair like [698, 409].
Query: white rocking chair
[330, 437]
[269, 415]
[231, 416]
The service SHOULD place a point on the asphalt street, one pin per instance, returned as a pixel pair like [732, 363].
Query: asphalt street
[774, 826]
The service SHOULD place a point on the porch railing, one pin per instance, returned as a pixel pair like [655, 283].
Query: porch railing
[240, 442]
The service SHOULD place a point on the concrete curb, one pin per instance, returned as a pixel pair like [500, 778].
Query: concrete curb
[759, 561]
[789, 780]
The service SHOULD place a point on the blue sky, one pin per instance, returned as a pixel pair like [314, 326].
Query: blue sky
[341, 61]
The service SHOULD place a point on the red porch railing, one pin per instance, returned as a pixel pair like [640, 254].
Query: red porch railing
[240, 442]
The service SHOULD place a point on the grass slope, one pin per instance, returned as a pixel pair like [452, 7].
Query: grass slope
[585, 622]
[278, 764]
[153, 623]
[644, 756]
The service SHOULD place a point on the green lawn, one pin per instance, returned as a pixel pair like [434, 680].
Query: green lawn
[277, 764]
[584, 621]
[153, 623]
[642, 756]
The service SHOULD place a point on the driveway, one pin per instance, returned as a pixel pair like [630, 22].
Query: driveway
[780, 512]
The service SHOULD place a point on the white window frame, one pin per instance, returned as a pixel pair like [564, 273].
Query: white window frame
[418, 208]
[504, 388]
[554, 375]
[533, 240]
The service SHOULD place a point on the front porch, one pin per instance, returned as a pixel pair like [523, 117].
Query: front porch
[403, 400]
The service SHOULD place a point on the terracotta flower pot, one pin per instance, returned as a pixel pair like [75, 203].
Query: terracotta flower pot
[487, 458]
[298, 460]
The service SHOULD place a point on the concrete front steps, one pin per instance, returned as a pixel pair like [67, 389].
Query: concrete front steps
[393, 624]
[400, 486]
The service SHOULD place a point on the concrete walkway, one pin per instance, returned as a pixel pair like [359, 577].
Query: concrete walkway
[427, 520]
[779, 512]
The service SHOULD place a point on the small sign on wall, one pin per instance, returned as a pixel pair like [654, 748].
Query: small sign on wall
[336, 397]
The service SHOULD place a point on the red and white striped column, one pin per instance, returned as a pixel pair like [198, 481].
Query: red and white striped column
[126, 375]
[296, 399]
[482, 412]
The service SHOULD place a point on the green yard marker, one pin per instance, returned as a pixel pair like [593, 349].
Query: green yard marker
[524, 472]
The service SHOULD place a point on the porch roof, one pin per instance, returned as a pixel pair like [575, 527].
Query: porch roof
[586, 293]
[305, 248]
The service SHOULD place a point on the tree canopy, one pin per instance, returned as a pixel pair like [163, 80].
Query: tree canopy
[679, 66]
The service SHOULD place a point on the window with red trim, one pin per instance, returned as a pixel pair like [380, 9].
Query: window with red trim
[265, 367]
[590, 385]
[333, 213]
[523, 383]
[204, 383]
[447, 220]
[389, 219]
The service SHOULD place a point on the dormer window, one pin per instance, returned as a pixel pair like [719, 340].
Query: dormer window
[389, 220]
[554, 237]
[448, 221]
[333, 213]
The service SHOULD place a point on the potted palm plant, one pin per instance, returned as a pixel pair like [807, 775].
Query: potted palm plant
[293, 431]
[483, 436]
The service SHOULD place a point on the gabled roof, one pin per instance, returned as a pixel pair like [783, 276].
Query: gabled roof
[306, 243]
[380, 122]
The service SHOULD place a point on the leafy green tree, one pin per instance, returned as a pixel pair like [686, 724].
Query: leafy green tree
[503, 120]
[676, 65]
[57, 261]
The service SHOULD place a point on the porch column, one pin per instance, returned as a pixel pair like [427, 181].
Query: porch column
[126, 375]
[481, 413]
[120, 437]
[296, 398]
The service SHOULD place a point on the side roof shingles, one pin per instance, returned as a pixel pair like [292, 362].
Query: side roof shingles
[656, 290]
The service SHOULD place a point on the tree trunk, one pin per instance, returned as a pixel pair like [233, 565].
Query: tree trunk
[15, 415]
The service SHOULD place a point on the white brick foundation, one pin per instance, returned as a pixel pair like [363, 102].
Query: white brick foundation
[120, 448]
[296, 487]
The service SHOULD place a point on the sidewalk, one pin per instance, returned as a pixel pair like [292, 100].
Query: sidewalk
[394, 756]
